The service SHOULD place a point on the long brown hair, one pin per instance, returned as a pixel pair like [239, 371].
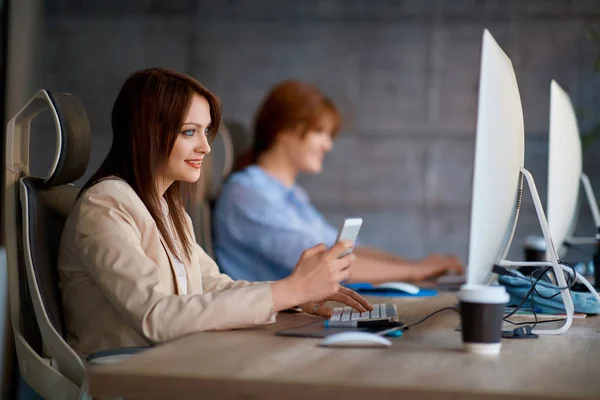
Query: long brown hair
[146, 119]
[289, 105]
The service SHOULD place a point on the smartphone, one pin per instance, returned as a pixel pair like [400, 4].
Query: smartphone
[349, 231]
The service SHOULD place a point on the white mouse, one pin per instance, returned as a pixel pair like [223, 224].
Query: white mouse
[400, 286]
[355, 339]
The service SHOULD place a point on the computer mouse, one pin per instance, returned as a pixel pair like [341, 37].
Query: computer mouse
[355, 339]
[400, 286]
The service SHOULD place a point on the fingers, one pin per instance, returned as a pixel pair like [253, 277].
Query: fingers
[342, 263]
[324, 311]
[338, 249]
[349, 301]
[361, 300]
[313, 251]
[458, 269]
[343, 275]
[453, 265]
[429, 272]
[437, 272]
[444, 264]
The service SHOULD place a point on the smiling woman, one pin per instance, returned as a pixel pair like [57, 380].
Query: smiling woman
[147, 125]
[130, 270]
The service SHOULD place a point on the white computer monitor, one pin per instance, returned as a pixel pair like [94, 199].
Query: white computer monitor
[565, 171]
[499, 157]
[564, 166]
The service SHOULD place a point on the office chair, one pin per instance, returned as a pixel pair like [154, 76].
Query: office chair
[35, 212]
[235, 142]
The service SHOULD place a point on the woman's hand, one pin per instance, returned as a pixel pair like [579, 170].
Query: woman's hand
[344, 295]
[436, 265]
[317, 276]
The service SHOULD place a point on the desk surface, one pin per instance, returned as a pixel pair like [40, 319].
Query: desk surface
[426, 362]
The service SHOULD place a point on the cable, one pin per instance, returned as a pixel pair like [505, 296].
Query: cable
[522, 302]
[535, 319]
[503, 271]
[571, 280]
[432, 314]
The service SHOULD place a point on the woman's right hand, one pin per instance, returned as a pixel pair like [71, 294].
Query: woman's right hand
[436, 265]
[316, 276]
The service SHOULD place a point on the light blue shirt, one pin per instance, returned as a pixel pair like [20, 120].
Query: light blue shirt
[261, 227]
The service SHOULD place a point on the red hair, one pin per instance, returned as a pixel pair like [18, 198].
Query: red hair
[289, 105]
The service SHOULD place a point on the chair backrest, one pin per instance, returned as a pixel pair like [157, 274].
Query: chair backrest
[36, 210]
[235, 142]
[44, 211]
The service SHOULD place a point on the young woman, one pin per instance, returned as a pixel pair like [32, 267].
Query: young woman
[130, 270]
[263, 220]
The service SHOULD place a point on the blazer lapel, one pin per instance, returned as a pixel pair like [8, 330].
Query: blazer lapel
[172, 261]
[193, 270]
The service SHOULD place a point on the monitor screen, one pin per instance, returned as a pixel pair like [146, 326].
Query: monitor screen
[564, 166]
[499, 156]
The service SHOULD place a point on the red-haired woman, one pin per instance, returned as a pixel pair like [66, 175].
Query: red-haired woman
[130, 270]
[263, 221]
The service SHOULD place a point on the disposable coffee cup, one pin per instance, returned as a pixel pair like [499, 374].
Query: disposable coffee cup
[535, 248]
[481, 312]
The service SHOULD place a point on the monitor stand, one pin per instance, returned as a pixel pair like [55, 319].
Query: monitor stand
[594, 240]
[552, 260]
[591, 200]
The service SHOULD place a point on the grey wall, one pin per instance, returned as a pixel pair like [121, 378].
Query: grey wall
[404, 73]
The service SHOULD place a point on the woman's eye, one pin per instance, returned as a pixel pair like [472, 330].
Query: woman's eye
[206, 131]
[189, 132]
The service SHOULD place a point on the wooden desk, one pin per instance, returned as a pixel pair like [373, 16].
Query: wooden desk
[425, 363]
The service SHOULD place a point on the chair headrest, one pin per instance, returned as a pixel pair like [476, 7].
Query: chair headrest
[73, 139]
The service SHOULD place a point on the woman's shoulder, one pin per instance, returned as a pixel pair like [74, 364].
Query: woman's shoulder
[243, 184]
[244, 177]
[107, 204]
[111, 192]
[111, 185]
[254, 182]
[254, 197]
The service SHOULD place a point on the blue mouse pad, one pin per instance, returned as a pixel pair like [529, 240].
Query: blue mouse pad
[368, 289]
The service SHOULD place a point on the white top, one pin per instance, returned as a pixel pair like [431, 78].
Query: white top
[181, 276]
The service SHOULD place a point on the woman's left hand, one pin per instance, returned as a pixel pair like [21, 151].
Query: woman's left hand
[345, 296]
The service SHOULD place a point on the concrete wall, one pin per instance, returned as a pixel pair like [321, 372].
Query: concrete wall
[404, 73]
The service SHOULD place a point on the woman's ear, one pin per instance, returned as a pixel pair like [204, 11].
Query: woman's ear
[298, 131]
[285, 135]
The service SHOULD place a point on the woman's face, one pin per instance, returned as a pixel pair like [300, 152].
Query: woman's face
[306, 152]
[191, 145]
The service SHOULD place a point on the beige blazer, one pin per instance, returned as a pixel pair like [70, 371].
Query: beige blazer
[118, 284]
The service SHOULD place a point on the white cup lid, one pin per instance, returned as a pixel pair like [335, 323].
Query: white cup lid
[485, 294]
[536, 242]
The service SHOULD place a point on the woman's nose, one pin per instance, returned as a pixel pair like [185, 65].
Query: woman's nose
[328, 143]
[203, 146]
